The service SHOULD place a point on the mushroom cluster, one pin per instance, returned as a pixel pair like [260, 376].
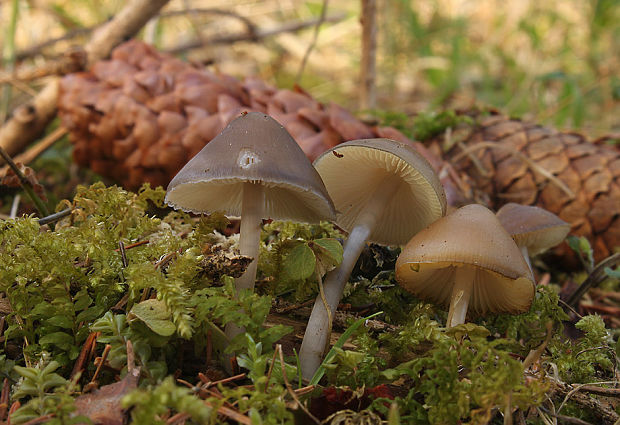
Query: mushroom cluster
[377, 190]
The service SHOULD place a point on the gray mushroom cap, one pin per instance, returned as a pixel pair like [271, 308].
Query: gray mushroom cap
[253, 148]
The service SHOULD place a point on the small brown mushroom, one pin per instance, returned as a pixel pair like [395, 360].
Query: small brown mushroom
[468, 261]
[534, 229]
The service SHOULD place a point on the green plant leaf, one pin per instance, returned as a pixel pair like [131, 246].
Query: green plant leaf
[300, 262]
[328, 252]
[62, 340]
[155, 315]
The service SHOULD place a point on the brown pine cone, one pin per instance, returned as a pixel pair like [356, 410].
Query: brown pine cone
[514, 161]
[140, 116]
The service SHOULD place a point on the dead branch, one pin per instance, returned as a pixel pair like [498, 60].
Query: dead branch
[258, 35]
[315, 37]
[29, 121]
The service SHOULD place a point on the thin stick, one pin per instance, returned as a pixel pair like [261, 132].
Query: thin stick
[36, 150]
[25, 183]
[104, 357]
[290, 388]
[535, 354]
[55, 217]
[273, 361]
[315, 37]
[292, 26]
[596, 276]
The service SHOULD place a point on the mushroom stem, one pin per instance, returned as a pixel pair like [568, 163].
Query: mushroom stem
[461, 293]
[252, 206]
[318, 330]
[526, 256]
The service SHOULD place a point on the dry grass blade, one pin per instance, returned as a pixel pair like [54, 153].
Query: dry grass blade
[290, 388]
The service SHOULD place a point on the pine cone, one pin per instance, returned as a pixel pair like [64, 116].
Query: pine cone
[512, 161]
[140, 116]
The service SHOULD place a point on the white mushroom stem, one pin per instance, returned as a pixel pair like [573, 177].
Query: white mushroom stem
[526, 256]
[461, 293]
[252, 206]
[317, 333]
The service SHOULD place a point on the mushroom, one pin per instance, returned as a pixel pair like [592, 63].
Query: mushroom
[384, 192]
[469, 261]
[254, 169]
[534, 229]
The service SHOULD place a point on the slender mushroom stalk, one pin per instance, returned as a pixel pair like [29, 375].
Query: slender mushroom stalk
[385, 192]
[317, 333]
[249, 232]
[252, 210]
[461, 294]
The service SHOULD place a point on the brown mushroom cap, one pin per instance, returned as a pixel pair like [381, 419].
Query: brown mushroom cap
[353, 171]
[253, 148]
[473, 237]
[533, 227]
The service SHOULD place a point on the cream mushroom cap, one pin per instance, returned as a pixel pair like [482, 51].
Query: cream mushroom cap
[353, 171]
[252, 148]
[472, 237]
[533, 227]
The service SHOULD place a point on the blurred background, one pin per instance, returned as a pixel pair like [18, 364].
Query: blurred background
[554, 62]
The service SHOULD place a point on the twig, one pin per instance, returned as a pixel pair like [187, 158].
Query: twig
[36, 150]
[529, 162]
[535, 354]
[4, 398]
[84, 354]
[40, 419]
[315, 37]
[73, 60]
[273, 362]
[55, 217]
[28, 121]
[368, 94]
[605, 414]
[290, 388]
[259, 35]
[25, 183]
[565, 419]
[104, 357]
[594, 278]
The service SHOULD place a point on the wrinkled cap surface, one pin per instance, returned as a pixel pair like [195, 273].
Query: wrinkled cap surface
[253, 148]
[533, 227]
[470, 237]
[353, 171]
